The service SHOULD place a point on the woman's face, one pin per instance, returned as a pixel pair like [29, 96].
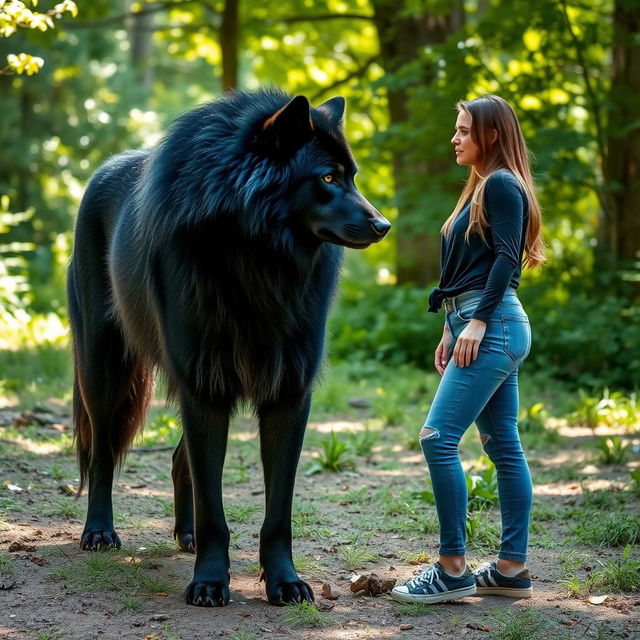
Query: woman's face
[467, 152]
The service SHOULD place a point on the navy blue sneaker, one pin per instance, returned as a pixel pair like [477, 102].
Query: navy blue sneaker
[435, 585]
[489, 581]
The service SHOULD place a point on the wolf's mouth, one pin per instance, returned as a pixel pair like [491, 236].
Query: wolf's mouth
[330, 236]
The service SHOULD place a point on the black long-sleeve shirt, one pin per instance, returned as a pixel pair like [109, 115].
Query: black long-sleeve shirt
[492, 265]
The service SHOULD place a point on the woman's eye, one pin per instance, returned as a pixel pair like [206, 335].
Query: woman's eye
[328, 178]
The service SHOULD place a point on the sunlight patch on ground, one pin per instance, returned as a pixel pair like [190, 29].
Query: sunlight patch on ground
[557, 489]
[338, 426]
[40, 448]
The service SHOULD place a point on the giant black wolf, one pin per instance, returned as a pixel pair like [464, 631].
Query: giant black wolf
[213, 257]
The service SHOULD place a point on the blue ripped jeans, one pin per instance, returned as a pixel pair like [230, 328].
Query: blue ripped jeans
[485, 392]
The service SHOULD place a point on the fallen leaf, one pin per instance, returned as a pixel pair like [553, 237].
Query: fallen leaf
[67, 489]
[372, 585]
[478, 626]
[406, 627]
[21, 546]
[39, 560]
[330, 591]
[597, 599]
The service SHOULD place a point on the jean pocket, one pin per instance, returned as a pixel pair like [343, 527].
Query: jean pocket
[466, 310]
[517, 336]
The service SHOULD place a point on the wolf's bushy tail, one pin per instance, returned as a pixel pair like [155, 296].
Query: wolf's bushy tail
[126, 416]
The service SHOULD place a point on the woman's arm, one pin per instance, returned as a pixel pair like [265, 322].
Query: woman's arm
[505, 213]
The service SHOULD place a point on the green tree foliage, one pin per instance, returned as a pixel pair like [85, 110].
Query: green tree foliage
[116, 75]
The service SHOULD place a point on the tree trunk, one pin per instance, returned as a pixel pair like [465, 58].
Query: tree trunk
[403, 35]
[619, 231]
[229, 44]
[141, 41]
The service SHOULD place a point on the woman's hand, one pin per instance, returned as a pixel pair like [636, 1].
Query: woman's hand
[442, 350]
[468, 343]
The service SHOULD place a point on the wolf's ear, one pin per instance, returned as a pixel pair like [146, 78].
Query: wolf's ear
[287, 129]
[334, 110]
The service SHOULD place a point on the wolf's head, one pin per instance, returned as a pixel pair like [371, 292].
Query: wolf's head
[322, 197]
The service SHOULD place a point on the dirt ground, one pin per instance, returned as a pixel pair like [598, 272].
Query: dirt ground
[341, 528]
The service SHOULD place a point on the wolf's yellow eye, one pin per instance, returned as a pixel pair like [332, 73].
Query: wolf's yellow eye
[328, 178]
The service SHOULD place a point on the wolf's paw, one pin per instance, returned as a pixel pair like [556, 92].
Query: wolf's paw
[207, 594]
[93, 540]
[282, 592]
[186, 541]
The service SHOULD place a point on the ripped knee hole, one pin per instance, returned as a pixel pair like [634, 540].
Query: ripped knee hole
[428, 433]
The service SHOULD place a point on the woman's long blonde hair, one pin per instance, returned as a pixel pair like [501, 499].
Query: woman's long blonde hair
[491, 113]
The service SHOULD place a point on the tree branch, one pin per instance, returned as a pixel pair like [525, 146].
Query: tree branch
[356, 73]
[156, 7]
[319, 17]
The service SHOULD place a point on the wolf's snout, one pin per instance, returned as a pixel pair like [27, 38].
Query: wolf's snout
[380, 226]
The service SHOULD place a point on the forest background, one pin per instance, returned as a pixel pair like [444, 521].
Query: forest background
[117, 73]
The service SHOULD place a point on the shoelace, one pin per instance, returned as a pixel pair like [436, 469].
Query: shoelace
[426, 577]
[483, 571]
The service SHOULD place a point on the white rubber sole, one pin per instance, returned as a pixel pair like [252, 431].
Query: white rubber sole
[432, 598]
[504, 591]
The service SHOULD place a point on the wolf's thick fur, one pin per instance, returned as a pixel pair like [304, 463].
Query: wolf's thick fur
[214, 257]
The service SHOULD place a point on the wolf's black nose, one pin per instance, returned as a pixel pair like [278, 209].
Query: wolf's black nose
[380, 226]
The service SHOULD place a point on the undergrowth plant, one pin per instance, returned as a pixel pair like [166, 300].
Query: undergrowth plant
[614, 450]
[621, 574]
[635, 479]
[481, 534]
[334, 457]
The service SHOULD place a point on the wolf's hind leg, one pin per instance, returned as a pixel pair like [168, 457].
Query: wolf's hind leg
[183, 531]
[111, 394]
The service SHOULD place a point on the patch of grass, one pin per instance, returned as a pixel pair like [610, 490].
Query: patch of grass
[112, 570]
[161, 549]
[243, 635]
[613, 530]
[356, 557]
[361, 443]
[622, 574]
[544, 512]
[241, 513]
[518, 625]
[166, 506]
[417, 558]
[608, 499]
[7, 565]
[131, 603]
[305, 615]
[64, 509]
[635, 479]
[49, 634]
[333, 458]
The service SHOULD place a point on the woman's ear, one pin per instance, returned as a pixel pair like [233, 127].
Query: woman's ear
[494, 135]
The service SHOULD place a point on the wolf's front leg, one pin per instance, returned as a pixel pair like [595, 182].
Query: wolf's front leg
[282, 427]
[205, 434]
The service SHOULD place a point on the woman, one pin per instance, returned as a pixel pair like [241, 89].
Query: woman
[493, 230]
